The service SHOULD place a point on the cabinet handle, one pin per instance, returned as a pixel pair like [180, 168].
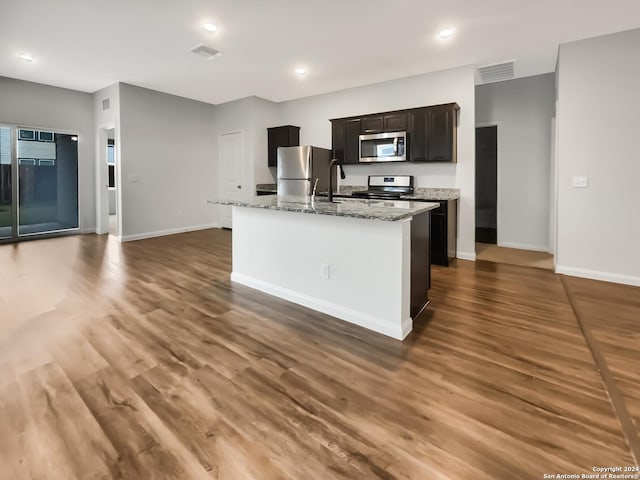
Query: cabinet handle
[368, 130]
[239, 186]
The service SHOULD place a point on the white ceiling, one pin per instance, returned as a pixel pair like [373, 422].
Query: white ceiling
[88, 44]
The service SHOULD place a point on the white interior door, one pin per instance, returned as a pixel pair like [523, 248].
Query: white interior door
[230, 154]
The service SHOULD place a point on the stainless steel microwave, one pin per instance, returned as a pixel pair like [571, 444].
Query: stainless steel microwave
[383, 147]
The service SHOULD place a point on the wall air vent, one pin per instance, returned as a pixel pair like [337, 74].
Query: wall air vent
[496, 72]
[206, 52]
[105, 104]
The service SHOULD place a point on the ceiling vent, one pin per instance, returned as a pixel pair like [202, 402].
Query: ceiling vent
[497, 72]
[206, 52]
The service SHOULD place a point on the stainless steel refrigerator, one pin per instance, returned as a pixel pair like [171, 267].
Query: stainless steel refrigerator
[298, 170]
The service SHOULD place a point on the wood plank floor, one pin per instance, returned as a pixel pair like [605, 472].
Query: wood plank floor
[143, 361]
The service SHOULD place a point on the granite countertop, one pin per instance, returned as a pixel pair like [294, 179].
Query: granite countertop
[420, 193]
[356, 208]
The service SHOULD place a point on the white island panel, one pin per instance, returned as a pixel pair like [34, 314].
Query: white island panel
[281, 253]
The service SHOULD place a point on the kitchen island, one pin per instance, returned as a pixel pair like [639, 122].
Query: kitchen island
[363, 261]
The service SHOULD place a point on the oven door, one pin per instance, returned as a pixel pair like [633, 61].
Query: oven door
[383, 147]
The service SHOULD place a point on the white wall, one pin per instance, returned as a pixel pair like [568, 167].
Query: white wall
[35, 105]
[312, 114]
[599, 137]
[168, 168]
[523, 109]
[253, 116]
[267, 114]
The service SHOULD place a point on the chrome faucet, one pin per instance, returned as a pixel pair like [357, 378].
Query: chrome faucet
[333, 162]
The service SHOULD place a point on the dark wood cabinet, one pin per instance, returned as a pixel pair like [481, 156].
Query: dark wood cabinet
[345, 139]
[420, 264]
[352, 130]
[442, 133]
[395, 122]
[284, 136]
[337, 139]
[432, 132]
[444, 232]
[417, 134]
[372, 124]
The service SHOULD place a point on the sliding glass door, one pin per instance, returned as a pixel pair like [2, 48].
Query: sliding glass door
[38, 182]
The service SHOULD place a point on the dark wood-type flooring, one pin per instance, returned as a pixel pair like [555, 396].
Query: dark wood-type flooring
[143, 361]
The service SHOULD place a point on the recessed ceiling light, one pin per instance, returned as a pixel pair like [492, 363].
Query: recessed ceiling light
[300, 71]
[27, 57]
[446, 33]
[210, 27]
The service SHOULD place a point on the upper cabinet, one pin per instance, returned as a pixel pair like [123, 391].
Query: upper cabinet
[395, 122]
[372, 124]
[285, 136]
[431, 132]
[345, 136]
[442, 133]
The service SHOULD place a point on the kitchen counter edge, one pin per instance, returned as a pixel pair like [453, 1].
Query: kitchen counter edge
[384, 210]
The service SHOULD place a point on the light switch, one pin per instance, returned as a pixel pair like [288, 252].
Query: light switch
[580, 182]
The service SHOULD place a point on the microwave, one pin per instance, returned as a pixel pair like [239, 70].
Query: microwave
[383, 147]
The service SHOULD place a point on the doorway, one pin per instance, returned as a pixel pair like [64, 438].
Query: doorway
[230, 155]
[487, 184]
[38, 183]
[112, 189]
[108, 190]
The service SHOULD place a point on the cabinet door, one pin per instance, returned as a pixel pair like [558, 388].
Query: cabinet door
[352, 130]
[395, 122]
[438, 239]
[372, 124]
[417, 134]
[337, 139]
[441, 134]
[285, 136]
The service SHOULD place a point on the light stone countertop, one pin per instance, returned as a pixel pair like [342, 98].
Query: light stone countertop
[385, 210]
[420, 193]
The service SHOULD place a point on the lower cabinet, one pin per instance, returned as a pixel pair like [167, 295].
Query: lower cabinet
[420, 264]
[444, 232]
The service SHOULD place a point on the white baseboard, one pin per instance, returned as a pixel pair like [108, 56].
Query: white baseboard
[379, 325]
[597, 275]
[162, 233]
[466, 256]
[85, 231]
[524, 246]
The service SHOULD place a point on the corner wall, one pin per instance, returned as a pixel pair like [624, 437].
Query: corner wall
[168, 170]
[523, 110]
[51, 108]
[599, 137]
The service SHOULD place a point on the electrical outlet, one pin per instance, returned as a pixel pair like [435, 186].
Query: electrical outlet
[580, 182]
[324, 270]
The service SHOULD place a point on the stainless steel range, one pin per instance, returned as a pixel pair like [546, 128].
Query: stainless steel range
[386, 187]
